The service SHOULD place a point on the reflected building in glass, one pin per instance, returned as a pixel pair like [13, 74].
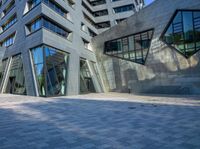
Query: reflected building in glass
[50, 69]
[183, 32]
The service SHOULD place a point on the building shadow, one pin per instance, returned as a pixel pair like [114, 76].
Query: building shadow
[73, 123]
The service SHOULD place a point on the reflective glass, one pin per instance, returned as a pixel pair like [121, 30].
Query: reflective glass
[51, 74]
[86, 82]
[183, 33]
[133, 48]
[3, 65]
[16, 79]
[38, 55]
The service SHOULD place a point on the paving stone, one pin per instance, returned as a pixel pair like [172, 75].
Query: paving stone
[102, 121]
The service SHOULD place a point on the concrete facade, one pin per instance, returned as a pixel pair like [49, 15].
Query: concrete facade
[112, 17]
[165, 70]
[75, 46]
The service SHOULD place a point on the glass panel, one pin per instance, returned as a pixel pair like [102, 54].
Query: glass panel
[197, 33]
[188, 27]
[16, 79]
[3, 65]
[125, 44]
[126, 55]
[184, 32]
[180, 47]
[132, 56]
[177, 18]
[38, 55]
[131, 43]
[134, 47]
[120, 55]
[86, 82]
[52, 72]
[115, 46]
[119, 46]
[137, 42]
[169, 35]
[178, 37]
[94, 65]
[196, 14]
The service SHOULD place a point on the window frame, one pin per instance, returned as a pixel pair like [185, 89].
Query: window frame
[162, 36]
[127, 36]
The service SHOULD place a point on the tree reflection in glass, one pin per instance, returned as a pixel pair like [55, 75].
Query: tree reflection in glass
[51, 67]
[183, 32]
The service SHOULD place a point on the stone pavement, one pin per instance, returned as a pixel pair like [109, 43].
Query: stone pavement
[99, 121]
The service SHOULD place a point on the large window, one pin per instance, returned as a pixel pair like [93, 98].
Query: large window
[124, 8]
[103, 25]
[16, 80]
[86, 82]
[183, 32]
[10, 6]
[35, 25]
[56, 7]
[49, 25]
[51, 67]
[94, 66]
[3, 66]
[9, 40]
[132, 48]
[10, 22]
[51, 4]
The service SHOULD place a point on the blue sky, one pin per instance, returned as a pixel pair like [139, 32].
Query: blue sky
[147, 2]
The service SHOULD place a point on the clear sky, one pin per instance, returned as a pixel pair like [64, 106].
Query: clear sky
[147, 2]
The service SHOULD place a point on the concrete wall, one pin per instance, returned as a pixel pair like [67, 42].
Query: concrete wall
[165, 71]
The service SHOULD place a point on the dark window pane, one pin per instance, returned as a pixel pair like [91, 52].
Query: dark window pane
[134, 47]
[86, 82]
[188, 26]
[183, 32]
[177, 18]
[3, 66]
[16, 79]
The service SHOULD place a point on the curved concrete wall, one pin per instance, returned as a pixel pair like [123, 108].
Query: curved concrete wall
[165, 71]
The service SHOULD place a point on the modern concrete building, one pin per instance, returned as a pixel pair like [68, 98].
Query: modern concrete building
[45, 44]
[154, 51]
[103, 14]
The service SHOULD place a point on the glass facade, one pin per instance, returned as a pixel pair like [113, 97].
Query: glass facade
[132, 48]
[49, 25]
[124, 8]
[9, 41]
[57, 8]
[10, 22]
[183, 32]
[16, 79]
[51, 67]
[86, 82]
[35, 25]
[3, 69]
[94, 66]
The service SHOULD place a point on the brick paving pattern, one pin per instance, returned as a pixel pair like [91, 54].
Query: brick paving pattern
[99, 121]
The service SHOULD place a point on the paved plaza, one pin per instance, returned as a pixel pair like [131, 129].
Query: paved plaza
[99, 121]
